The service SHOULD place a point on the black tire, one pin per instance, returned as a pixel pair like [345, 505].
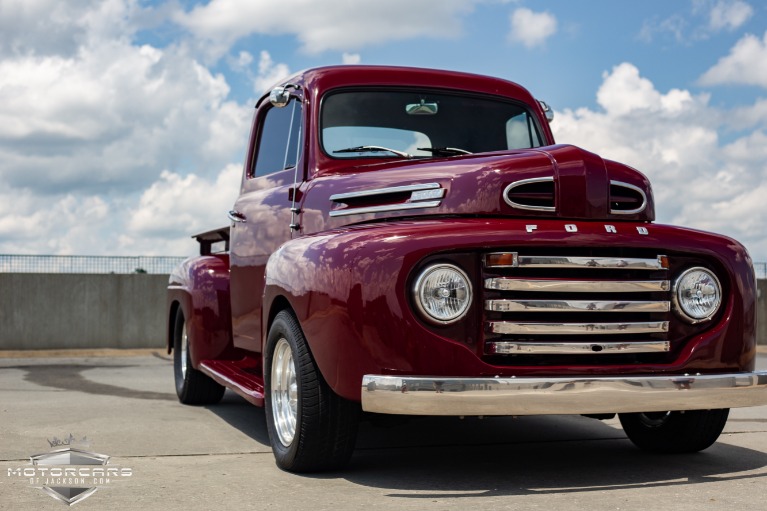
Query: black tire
[192, 386]
[324, 424]
[674, 432]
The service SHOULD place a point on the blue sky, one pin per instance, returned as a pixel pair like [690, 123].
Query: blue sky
[123, 122]
[671, 42]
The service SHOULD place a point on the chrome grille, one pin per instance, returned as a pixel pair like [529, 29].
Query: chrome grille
[616, 305]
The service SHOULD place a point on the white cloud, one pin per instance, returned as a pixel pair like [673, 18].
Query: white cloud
[673, 138]
[531, 28]
[745, 64]
[45, 26]
[87, 125]
[110, 116]
[175, 207]
[707, 18]
[64, 226]
[729, 15]
[328, 25]
[242, 62]
[269, 73]
[266, 74]
[749, 116]
[351, 58]
[623, 90]
[674, 25]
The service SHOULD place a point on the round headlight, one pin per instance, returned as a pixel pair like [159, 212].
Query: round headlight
[443, 293]
[697, 295]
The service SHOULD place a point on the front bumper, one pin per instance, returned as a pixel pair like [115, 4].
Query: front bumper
[414, 395]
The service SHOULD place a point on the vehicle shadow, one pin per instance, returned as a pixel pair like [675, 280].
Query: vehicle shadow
[69, 377]
[446, 457]
[243, 416]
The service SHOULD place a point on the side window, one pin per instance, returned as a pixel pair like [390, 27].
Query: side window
[521, 132]
[280, 144]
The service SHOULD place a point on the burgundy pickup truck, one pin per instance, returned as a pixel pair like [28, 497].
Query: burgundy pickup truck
[413, 242]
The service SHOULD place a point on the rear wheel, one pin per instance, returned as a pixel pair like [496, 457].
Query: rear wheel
[192, 386]
[674, 432]
[310, 427]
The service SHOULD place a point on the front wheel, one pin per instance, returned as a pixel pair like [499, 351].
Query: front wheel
[310, 427]
[674, 432]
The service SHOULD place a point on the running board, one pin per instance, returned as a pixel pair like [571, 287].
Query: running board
[237, 375]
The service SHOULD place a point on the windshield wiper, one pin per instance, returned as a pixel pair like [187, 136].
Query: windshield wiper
[373, 149]
[444, 151]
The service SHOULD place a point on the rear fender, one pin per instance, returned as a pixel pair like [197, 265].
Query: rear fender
[199, 288]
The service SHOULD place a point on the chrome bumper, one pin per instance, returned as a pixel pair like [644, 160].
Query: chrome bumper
[406, 395]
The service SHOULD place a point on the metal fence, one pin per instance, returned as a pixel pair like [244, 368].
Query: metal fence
[128, 264]
[87, 264]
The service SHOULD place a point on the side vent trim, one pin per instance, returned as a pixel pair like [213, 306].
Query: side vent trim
[531, 194]
[638, 196]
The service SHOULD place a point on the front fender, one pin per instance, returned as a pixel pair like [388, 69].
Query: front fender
[313, 276]
[348, 291]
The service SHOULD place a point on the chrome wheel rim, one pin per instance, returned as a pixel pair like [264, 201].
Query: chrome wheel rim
[654, 419]
[184, 349]
[284, 393]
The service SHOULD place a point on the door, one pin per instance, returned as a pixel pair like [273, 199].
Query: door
[262, 217]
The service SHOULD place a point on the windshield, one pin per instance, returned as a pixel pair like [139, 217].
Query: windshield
[422, 123]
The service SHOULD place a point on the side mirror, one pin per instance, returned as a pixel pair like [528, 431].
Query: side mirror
[280, 96]
[547, 111]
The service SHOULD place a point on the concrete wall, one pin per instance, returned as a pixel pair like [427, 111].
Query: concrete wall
[761, 312]
[60, 311]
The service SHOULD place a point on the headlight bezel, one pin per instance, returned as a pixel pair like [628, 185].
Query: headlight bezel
[423, 275]
[677, 302]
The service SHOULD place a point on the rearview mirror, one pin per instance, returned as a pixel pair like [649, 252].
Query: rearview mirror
[422, 108]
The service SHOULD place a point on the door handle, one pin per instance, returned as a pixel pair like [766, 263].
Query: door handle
[236, 216]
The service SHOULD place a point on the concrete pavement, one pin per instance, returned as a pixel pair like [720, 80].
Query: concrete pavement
[200, 458]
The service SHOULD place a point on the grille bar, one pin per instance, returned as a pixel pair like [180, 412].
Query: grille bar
[577, 286]
[514, 260]
[576, 348]
[575, 306]
[517, 328]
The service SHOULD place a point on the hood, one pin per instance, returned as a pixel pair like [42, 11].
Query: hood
[559, 181]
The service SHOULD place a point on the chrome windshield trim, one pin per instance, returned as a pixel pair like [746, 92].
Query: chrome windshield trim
[618, 263]
[630, 187]
[577, 286]
[576, 306]
[522, 182]
[385, 208]
[339, 197]
[576, 348]
[512, 328]
[422, 395]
